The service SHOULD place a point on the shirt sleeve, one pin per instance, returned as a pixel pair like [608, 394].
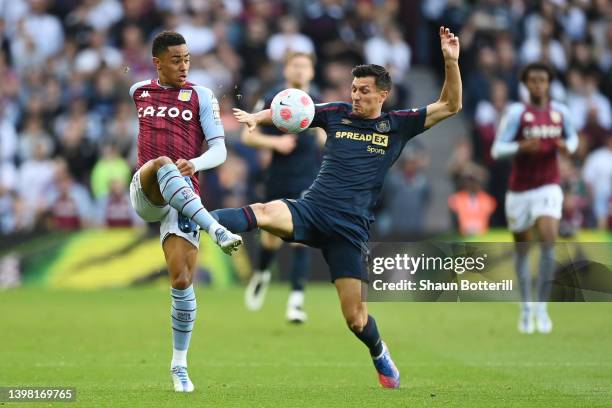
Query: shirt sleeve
[411, 122]
[213, 157]
[322, 113]
[210, 113]
[505, 144]
[137, 85]
[569, 131]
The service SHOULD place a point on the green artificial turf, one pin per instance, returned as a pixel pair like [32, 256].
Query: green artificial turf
[114, 346]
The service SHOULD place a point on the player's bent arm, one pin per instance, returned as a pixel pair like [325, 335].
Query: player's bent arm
[505, 145]
[257, 139]
[571, 136]
[213, 157]
[450, 101]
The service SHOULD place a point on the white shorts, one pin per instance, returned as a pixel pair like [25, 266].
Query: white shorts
[525, 207]
[153, 213]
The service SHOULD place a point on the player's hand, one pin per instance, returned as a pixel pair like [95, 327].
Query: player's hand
[246, 118]
[529, 145]
[185, 167]
[285, 144]
[449, 44]
[562, 146]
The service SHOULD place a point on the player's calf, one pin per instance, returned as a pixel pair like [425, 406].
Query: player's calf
[179, 195]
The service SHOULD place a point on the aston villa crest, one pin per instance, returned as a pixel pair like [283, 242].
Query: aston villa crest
[383, 126]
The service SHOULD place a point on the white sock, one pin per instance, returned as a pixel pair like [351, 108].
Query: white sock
[296, 298]
[211, 230]
[179, 358]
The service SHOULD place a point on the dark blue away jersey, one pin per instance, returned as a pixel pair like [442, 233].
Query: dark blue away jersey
[298, 169]
[358, 153]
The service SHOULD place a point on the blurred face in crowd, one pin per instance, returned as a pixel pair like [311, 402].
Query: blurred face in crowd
[367, 98]
[173, 65]
[299, 71]
[538, 85]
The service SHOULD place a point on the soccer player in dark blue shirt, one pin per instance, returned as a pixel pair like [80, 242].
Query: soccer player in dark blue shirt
[335, 214]
[294, 165]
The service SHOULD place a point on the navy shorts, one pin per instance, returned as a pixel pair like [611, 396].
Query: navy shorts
[341, 237]
[279, 191]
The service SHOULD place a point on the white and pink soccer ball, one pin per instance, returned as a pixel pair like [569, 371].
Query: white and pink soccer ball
[292, 110]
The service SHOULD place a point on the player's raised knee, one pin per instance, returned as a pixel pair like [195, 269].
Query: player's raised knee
[261, 213]
[162, 161]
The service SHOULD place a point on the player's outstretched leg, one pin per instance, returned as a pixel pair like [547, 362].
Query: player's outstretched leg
[299, 273]
[162, 183]
[521, 265]
[181, 257]
[364, 326]
[547, 231]
[255, 292]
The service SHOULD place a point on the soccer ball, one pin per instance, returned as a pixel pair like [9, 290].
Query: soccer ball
[292, 110]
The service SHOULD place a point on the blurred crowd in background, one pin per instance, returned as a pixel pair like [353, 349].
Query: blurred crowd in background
[68, 128]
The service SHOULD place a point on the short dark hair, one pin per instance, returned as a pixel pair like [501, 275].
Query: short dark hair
[537, 66]
[166, 39]
[380, 74]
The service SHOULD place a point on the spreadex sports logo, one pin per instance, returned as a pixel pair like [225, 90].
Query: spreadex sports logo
[165, 111]
[374, 138]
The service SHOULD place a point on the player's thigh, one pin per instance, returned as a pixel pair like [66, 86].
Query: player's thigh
[181, 258]
[274, 217]
[518, 211]
[548, 229]
[269, 241]
[546, 210]
[142, 204]
[355, 311]
[148, 179]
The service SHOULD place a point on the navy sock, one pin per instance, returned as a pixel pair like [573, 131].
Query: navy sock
[371, 338]
[301, 267]
[266, 256]
[236, 219]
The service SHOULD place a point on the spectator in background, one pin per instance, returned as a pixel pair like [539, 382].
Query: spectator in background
[544, 48]
[472, 206]
[36, 175]
[597, 173]
[111, 166]
[97, 54]
[68, 204]
[114, 208]
[38, 36]
[33, 132]
[488, 114]
[583, 96]
[389, 50]
[78, 151]
[406, 195]
[288, 39]
[232, 181]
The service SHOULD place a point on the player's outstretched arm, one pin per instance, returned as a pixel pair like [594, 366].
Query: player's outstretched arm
[451, 96]
[263, 117]
[284, 144]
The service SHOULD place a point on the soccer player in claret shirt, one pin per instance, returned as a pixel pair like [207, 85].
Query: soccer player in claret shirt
[336, 212]
[533, 134]
[294, 165]
[175, 118]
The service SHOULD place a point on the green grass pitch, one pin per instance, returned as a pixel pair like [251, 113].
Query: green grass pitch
[114, 347]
